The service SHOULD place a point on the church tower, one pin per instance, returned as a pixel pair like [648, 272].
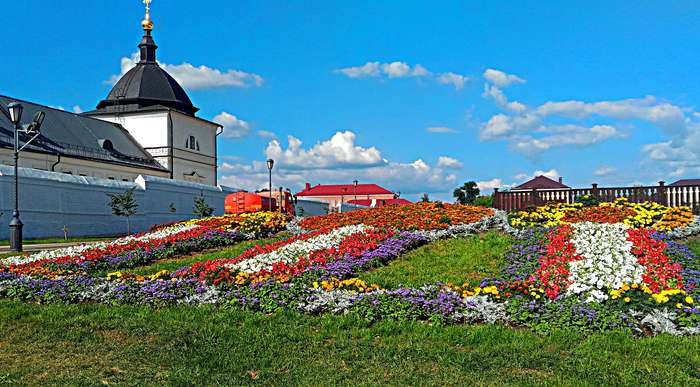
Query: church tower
[157, 112]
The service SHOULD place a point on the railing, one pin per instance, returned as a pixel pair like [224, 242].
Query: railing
[672, 196]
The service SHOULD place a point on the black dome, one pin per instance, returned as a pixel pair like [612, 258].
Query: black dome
[147, 85]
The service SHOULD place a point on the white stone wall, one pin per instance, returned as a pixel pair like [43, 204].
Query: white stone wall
[49, 200]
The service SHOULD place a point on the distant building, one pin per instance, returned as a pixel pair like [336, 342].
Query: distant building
[337, 193]
[540, 183]
[685, 183]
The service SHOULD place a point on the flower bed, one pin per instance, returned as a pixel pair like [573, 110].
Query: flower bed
[586, 276]
[635, 215]
[599, 276]
[130, 251]
[412, 217]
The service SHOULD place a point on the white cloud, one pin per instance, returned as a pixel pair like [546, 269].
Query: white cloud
[497, 95]
[77, 109]
[501, 79]
[488, 185]
[339, 160]
[451, 78]
[408, 178]
[441, 129]
[340, 151]
[196, 77]
[400, 69]
[391, 70]
[661, 114]
[234, 127]
[604, 171]
[369, 69]
[564, 135]
[498, 126]
[449, 162]
[523, 177]
[266, 134]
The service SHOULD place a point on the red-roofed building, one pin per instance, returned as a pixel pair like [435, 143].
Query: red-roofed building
[685, 183]
[335, 193]
[379, 202]
[540, 183]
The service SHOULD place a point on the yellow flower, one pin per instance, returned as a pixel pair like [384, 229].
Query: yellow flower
[689, 300]
[627, 299]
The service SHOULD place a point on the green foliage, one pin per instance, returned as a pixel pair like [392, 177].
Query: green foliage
[484, 201]
[123, 204]
[467, 193]
[587, 200]
[456, 260]
[425, 198]
[201, 208]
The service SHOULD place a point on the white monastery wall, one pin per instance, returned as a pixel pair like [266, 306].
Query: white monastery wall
[50, 200]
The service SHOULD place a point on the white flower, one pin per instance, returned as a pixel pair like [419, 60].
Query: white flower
[607, 262]
[75, 251]
[292, 252]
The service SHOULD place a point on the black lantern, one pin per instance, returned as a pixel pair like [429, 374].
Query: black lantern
[15, 109]
[270, 164]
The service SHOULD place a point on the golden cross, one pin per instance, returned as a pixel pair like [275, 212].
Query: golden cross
[148, 6]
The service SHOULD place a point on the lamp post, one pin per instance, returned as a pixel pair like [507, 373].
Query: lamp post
[14, 114]
[354, 184]
[270, 164]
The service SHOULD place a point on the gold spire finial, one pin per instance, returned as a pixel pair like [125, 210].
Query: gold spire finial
[147, 23]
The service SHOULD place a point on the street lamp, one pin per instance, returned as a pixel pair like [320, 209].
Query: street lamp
[270, 164]
[354, 183]
[14, 114]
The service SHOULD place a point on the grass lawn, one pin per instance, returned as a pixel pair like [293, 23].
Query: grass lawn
[61, 240]
[89, 344]
[455, 260]
[5, 255]
[229, 252]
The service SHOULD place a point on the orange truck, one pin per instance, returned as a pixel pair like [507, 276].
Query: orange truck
[240, 202]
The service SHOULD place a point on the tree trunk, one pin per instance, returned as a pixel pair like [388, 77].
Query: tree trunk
[128, 226]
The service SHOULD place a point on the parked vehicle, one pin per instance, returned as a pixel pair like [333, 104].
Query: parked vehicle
[240, 202]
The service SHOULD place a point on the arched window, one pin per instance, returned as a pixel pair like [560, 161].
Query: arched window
[192, 143]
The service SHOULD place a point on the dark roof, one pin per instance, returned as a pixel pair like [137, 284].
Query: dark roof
[344, 189]
[145, 85]
[685, 182]
[542, 182]
[78, 136]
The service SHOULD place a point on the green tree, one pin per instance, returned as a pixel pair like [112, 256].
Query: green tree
[484, 201]
[123, 204]
[467, 193]
[425, 198]
[201, 209]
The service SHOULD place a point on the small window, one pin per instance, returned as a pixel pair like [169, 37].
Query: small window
[192, 143]
[111, 178]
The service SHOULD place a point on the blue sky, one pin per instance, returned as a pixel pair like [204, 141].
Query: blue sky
[594, 91]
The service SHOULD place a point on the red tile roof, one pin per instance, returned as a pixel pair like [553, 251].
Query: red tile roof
[343, 189]
[380, 202]
[685, 182]
[541, 182]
